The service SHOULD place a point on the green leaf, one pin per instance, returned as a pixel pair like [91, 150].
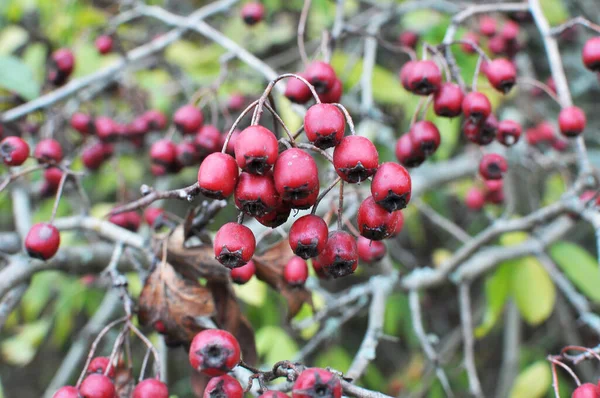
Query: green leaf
[555, 11]
[554, 188]
[579, 266]
[274, 344]
[497, 289]
[335, 357]
[254, 292]
[20, 349]
[532, 289]
[16, 76]
[11, 38]
[533, 382]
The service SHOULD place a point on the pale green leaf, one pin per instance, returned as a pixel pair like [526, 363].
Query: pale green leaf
[533, 382]
[579, 266]
[11, 38]
[497, 289]
[274, 344]
[16, 76]
[532, 289]
[254, 292]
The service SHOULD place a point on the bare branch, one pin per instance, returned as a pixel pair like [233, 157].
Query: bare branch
[466, 321]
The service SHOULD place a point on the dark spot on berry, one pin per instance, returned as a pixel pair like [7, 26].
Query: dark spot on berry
[393, 201]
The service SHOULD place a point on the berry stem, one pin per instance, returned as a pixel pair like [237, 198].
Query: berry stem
[59, 192]
[395, 48]
[340, 205]
[236, 122]
[476, 73]
[575, 21]
[305, 145]
[301, 29]
[556, 361]
[323, 193]
[141, 336]
[279, 120]
[437, 53]
[20, 173]
[471, 43]
[144, 364]
[541, 85]
[347, 116]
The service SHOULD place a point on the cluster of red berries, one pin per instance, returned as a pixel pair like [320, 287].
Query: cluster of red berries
[502, 40]
[324, 79]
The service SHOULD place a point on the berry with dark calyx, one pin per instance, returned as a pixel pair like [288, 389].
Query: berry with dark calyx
[476, 106]
[97, 386]
[340, 255]
[82, 123]
[304, 203]
[408, 153]
[571, 121]
[475, 199]
[295, 272]
[129, 220]
[321, 75]
[42, 241]
[63, 63]
[99, 365]
[375, 222]
[253, 13]
[150, 388]
[408, 38]
[296, 91]
[105, 128]
[425, 136]
[492, 166]
[308, 236]
[424, 77]
[151, 214]
[472, 131]
[355, 158]
[487, 26]
[187, 154]
[324, 125]
[591, 54]
[510, 31]
[488, 131]
[207, 140]
[188, 119]
[223, 387]
[370, 251]
[14, 151]
[273, 394]
[276, 217]
[256, 195]
[214, 352]
[234, 245]
[256, 150]
[334, 94]
[244, 273]
[391, 186]
[509, 132]
[494, 185]
[468, 38]
[317, 266]
[218, 176]
[502, 74]
[316, 382]
[156, 119]
[67, 392]
[586, 390]
[295, 174]
[447, 101]
[104, 44]
[48, 150]
[163, 153]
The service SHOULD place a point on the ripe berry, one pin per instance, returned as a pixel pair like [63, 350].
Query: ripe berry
[355, 159]
[591, 54]
[304, 203]
[559, 144]
[256, 195]
[391, 186]
[93, 156]
[62, 66]
[408, 153]
[502, 74]
[340, 255]
[447, 101]
[256, 150]
[405, 74]
[571, 121]
[48, 150]
[375, 222]
[497, 45]
[235, 102]
[295, 272]
[273, 394]
[231, 143]
[586, 390]
[492, 166]
[163, 153]
[510, 31]
[129, 220]
[370, 251]
[151, 388]
[426, 136]
[188, 119]
[137, 128]
[214, 352]
[223, 387]
[276, 217]
[321, 75]
[253, 13]
[207, 140]
[14, 151]
[295, 174]
[52, 177]
[476, 106]
[509, 132]
[218, 175]
[151, 214]
[469, 37]
[334, 94]
[104, 44]
[424, 77]
[316, 382]
[99, 365]
[186, 154]
[42, 241]
[106, 128]
[296, 91]
[475, 199]
[324, 125]
[408, 38]
[97, 386]
[487, 26]
[82, 123]
[67, 392]
[488, 130]
[244, 273]
[156, 119]
[234, 245]
[308, 236]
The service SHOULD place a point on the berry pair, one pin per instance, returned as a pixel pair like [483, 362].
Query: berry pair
[421, 141]
[324, 79]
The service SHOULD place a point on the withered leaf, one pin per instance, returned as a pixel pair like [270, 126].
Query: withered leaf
[124, 381]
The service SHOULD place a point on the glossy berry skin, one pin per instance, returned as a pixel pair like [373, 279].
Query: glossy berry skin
[295, 174]
[426, 136]
[408, 38]
[591, 54]
[42, 241]
[253, 13]
[48, 150]
[502, 74]
[424, 78]
[355, 159]
[340, 255]
[321, 75]
[509, 132]
[214, 352]
[234, 245]
[218, 175]
[163, 153]
[316, 382]
[104, 44]
[52, 176]
[391, 186]
[105, 128]
[487, 26]
[223, 387]
[99, 365]
[447, 101]
[296, 91]
[370, 251]
[295, 272]
[375, 222]
[244, 273]
[492, 166]
[408, 153]
[97, 386]
[67, 392]
[308, 236]
[14, 151]
[188, 119]
[82, 123]
[150, 388]
[207, 140]
[256, 195]
[130, 220]
[324, 125]
[334, 94]
[276, 217]
[571, 121]
[475, 199]
[406, 73]
[476, 106]
[586, 390]
[151, 214]
[256, 150]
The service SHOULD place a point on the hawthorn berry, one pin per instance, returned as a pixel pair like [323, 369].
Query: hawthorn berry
[591, 54]
[48, 150]
[151, 214]
[510, 31]
[104, 44]
[295, 272]
[163, 153]
[235, 102]
[340, 255]
[188, 119]
[559, 144]
[276, 217]
[571, 121]
[214, 352]
[475, 199]
[355, 158]
[97, 386]
[494, 185]
[426, 136]
[137, 128]
[375, 222]
[370, 251]
[502, 74]
[42, 241]
[99, 365]
[129, 220]
[408, 38]
[207, 140]
[256, 195]
[296, 91]
[586, 390]
[231, 143]
[105, 128]
[407, 153]
[63, 63]
[93, 156]
[67, 392]
[316, 382]
[324, 125]
[476, 106]
[14, 151]
[492, 166]
[509, 132]
[405, 73]
[256, 150]
[304, 203]
[218, 175]
[488, 130]
[487, 26]
[52, 177]
[244, 273]
[334, 94]
[150, 388]
[308, 236]
[295, 174]
[82, 122]
[223, 387]
[156, 119]
[186, 154]
[391, 186]
[424, 77]
[468, 38]
[234, 245]
[273, 394]
[253, 13]
[321, 75]
[317, 266]
[497, 45]
[447, 101]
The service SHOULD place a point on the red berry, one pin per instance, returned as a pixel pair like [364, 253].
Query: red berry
[502, 74]
[188, 119]
[492, 166]
[99, 365]
[488, 130]
[355, 159]
[510, 31]
[256, 195]
[137, 128]
[559, 144]
[218, 175]
[340, 255]
[296, 91]
[52, 177]
[295, 272]
[408, 153]
[321, 75]
[276, 217]
[424, 77]
[316, 382]
[156, 119]
[586, 390]
[324, 125]
[497, 45]
[42, 241]
[82, 123]
[295, 174]
[214, 352]
[447, 101]
[467, 47]
[487, 26]
[571, 121]
[97, 386]
[375, 222]
[405, 74]
[476, 106]
[591, 54]
[475, 199]
[509, 132]
[93, 156]
[48, 150]
[187, 154]
[231, 143]
[67, 392]
[426, 136]
[104, 44]
[234, 245]
[244, 273]
[163, 153]
[370, 251]
[14, 151]
[273, 394]
[223, 387]
[235, 102]
[151, 214]
[308, 236]
[391, 186]
[334, 94]
[129, 220]
[253, 13]
[408, 38]
[256, 150]
[106, 128]
[494, 197]
[494, 185]
[151, 388]
[207, 140]
[64, 60]
[304, 203]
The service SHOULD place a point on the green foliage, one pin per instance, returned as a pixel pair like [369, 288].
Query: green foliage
[18, 77]
[532, 382]
[579, 266]
[533, 290]
[274, 344]
[497, 290]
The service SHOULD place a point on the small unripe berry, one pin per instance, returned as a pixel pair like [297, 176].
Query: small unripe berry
[321, 75]
[214, 352]
[253, 13]
[234, 245]
[324, 125]
[256, 150]
[408, 153]
[487, 26]
[340, 255]
[497, 45]
[14, 151]
[447, 101]
[218, 175]
[308, 236]
[188, 119]
[235, 102]
[42, 241]
[355, 159]
[510, 31]
[571, 121]
[244, 273]
[104, 44]
[425, 136]
[295, 272]
[316, 382]
[375, 222]
[48, 150]
[492, 166]
[475, 199]
[391, 186]
[295, 174]
[223, 387]
[97, 386]
[591, 54]
[256, 195]
[501, 74]
[150, 388]
[370, 251]
[67, 392]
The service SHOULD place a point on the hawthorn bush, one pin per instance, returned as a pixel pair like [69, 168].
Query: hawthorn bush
[299, 198]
